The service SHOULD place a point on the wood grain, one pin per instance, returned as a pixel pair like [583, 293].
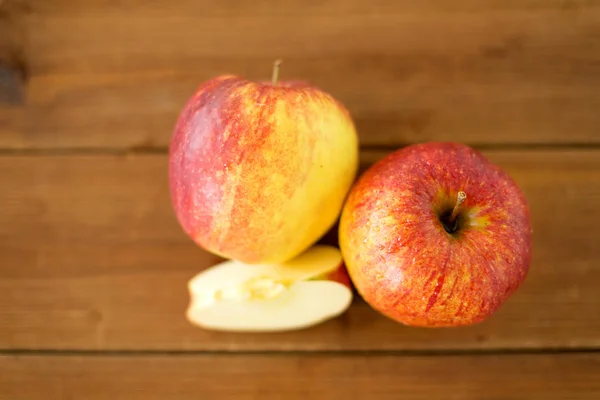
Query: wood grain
[302, 8]
[108, 74]
[11, 89]
[92, 258]
[12, 46]
[240, 377]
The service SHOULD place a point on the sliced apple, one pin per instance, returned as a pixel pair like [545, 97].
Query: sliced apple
[233, 296]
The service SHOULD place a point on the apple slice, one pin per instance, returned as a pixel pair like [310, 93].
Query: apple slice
[234, 296]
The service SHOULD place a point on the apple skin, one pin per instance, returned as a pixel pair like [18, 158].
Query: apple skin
[402, 260]
[339, 275]
[259, 172]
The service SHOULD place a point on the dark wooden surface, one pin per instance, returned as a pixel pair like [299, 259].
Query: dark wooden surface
[332, 377]
[114, 74]
[93, 265]
[97, 261]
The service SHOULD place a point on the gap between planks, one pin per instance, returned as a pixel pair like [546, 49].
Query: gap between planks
[161, 150]
[315, 353]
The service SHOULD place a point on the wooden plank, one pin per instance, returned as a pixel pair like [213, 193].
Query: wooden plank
[300, 7]
[487, 72]
[222, 377]
[92, 258]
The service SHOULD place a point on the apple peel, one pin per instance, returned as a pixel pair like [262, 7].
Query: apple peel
[238, 297]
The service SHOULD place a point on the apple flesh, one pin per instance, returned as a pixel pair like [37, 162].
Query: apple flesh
[259, 171]
[436, 235]
[302, 292]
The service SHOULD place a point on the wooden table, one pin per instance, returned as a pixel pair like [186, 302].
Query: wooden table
[93, 265]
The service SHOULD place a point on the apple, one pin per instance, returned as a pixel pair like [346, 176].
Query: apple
[302, 292]
[436, 235]
[259, 171]
[339, 274]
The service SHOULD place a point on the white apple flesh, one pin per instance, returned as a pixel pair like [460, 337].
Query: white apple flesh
[238, 297]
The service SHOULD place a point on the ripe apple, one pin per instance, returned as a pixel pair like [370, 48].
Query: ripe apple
[259, 171]
[296, 294]
[436, 235]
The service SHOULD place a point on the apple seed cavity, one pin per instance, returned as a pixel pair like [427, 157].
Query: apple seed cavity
[257, 288]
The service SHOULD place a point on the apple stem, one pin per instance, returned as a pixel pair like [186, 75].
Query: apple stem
[460, 198]
[275, 76]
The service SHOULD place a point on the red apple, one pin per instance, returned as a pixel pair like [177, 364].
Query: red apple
[436, 235]
[259, 171]
[339, 275]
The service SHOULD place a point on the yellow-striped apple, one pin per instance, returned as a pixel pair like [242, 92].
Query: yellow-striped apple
[436, 235]
[296, 294]
[259, 171]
